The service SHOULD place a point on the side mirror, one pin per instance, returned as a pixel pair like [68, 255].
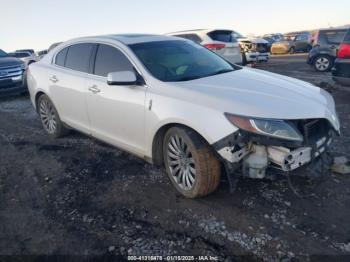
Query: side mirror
[123, 78]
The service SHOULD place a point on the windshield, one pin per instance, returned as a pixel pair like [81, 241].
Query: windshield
[2, 53]
[171, 61]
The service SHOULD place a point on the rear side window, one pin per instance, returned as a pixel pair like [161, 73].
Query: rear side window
[301, 38]
[223, 36]
[347, 37]
[331, 37]
[109, 59]
[61, 57]
[78, 57]
[193, 37]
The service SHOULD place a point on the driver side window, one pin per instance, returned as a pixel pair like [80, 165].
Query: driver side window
[109, 59]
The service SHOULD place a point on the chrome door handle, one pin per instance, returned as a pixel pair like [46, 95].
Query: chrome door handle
[94, 89]
[54, 79]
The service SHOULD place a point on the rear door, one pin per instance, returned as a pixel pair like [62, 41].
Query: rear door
[67, 84]
[116, 113]
[330, 40]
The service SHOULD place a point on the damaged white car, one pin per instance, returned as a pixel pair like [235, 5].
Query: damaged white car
[177, 104]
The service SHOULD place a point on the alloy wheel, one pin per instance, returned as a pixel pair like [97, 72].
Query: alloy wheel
[181, 163]
[48, 116]
[322, 64]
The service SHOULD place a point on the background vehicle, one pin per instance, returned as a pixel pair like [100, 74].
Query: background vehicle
[186, 107]
[293, 42]
[27, 57]
[53, 46]
[325, 45]
[254, 49]
[222, 42]
[40, 54]
[31, 51]
[341, 70]
[12, 75]
[272, 38]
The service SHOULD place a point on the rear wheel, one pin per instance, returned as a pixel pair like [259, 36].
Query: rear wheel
[323, 63]
[191, 165]
[50, 118]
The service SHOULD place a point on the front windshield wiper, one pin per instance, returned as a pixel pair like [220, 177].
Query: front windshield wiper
[188, 78]
[222, 71]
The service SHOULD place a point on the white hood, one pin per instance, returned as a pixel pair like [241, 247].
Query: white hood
[257, 93]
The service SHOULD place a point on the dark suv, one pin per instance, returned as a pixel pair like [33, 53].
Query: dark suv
[341, 70]
[12, 75]
[324, 51]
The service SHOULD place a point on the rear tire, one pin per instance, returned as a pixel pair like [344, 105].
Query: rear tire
[323, 63]
[191, 165]
[50, 118]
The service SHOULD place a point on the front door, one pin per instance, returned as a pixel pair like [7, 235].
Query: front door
[116, 113]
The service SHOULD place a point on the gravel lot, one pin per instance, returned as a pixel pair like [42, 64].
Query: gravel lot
[77, 196]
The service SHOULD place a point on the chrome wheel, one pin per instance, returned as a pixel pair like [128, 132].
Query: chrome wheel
[322, 64]
[48, 116]
[181, 163]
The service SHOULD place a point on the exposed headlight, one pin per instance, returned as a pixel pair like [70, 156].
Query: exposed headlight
[268, 127]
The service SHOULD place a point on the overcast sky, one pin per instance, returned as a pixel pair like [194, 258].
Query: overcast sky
[39, 23]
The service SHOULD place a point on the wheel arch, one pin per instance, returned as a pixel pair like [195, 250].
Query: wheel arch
[157, 141]
[36, 99]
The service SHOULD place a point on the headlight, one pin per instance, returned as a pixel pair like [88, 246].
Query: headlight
[268, 127]
[23, 66]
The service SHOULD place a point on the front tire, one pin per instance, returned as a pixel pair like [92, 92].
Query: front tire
[292, 50]
[50, 118]
[191, 165]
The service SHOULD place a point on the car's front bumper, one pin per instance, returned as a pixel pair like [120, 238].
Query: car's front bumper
[257, 57]
[253, 155]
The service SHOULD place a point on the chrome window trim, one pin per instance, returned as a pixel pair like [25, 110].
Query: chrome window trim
[53, 60]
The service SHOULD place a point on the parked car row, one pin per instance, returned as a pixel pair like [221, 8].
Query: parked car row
[229, 44]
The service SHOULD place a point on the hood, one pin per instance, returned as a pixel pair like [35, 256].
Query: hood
[257, 93]
[253, 40]
[9, 61]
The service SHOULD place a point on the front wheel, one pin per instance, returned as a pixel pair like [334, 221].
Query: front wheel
[292, 50]
[50, 118]
[191, 165]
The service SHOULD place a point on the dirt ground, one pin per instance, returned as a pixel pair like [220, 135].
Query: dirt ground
[76, 196]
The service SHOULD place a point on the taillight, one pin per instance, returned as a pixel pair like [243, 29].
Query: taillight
[344, 51]
[214, 46]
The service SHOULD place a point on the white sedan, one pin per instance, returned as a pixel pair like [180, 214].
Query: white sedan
[177, 104]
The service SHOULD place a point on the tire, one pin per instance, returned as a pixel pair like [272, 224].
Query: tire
[323, 63]
[49, 118]
[190, 164]
[244, 60]
[292, 50]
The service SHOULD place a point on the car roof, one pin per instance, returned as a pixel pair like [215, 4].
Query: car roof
[128, 39]
[199, 31]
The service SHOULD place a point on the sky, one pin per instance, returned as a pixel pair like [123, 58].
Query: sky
[39, 23]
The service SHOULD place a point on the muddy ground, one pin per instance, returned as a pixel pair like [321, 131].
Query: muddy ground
[76, 196]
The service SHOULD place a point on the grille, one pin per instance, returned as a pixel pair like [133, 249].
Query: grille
[261, 48]
[9, 72]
